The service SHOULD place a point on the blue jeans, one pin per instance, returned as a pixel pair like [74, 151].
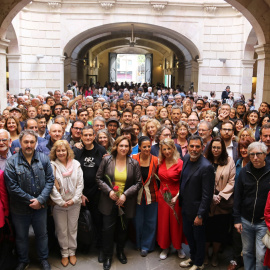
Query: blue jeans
[196, 240]
[146, 225]
[38, 220]
[253, 247]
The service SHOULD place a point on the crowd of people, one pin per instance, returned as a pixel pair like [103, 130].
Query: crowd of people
[154, 164]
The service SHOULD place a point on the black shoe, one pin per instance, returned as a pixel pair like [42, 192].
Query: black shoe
[107, 263]
[45, 265]
[100, 256]
[144, 253]
[22, 266]
[121, 257]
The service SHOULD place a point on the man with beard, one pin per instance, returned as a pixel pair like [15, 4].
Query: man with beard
[226, 132]
[240, 110]
[263, 109]
[65, 111]
[138, 109]
[82, 115]
[265, 138]
[193, 121]
[90, 157]
[47, 112]
[126, 118]
[112, 126]
[30, 124]
[196, 193]
[5, 142]
[176, 114]
[199, 105]
[205, 132]
[41, 123]
[151, 111]
[253, 120]
[29, 179]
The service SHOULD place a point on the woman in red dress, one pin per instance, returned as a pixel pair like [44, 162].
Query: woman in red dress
[267, 221]
[169, 231]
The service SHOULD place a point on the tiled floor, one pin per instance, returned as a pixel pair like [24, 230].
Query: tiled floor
[135, 261]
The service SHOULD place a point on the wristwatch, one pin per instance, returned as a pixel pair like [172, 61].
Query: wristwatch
[199, 216]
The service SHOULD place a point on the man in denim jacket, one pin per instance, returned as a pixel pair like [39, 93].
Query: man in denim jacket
[29, 180]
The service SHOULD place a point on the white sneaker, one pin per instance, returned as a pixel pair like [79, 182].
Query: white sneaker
[181, 253]
[195, 267]
[187, 263]
[164, 254]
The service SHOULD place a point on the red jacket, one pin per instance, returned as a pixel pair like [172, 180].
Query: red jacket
[267, 221]
[4, 208]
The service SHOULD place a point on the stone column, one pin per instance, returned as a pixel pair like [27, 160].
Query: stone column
[80, 72]
[63, 87]
[200, 76]
[70, 71]
[247, 74]
[263, 74]
[14, 61]
[3, 81]
[191, 74]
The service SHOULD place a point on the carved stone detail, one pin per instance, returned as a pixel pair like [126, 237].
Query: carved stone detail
[107, 4]
[210, 9]
[158, 7]
[54, 5]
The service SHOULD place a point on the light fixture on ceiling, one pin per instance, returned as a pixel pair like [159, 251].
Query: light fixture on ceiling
[132, 40]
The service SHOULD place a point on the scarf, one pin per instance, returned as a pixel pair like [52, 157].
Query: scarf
[63, 176]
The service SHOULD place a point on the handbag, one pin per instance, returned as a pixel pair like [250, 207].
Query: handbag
[225, 204]
[85, 228]
[266, 239]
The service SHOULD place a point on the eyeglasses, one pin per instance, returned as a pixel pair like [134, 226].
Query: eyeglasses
[3, 140]
[227, 129]
[77, 128]
[193, 120]
[258, 154]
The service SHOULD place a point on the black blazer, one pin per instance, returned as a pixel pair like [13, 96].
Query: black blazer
[197, 193]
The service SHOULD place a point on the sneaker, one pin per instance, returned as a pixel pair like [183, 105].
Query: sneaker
[181, 253]
[214, 261]
[22, 266]
[195, 267]
[45, 265]
[187, 263]
[164, 254]
[233, 265]
[144, 253]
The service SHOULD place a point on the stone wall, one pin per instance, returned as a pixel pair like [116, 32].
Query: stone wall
[206, 32]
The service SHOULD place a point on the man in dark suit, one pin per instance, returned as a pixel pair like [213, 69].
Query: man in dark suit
[196, 193]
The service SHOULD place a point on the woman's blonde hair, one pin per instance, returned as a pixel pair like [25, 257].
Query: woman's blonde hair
[248, 130]
[156, 123]
[70, 153]
[170, 143]
[100, 111]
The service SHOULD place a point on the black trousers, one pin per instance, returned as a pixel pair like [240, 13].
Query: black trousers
[114, 227]
[92, 205]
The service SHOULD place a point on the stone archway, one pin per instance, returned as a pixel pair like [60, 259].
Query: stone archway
[76, 48]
